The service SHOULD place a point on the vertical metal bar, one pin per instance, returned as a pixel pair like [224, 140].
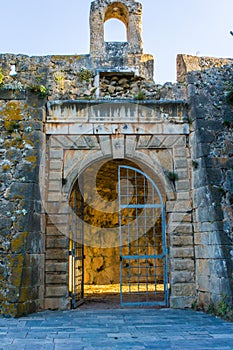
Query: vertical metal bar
[82, 233]
[74, 245]
[165, 255]
[134, 259]
[120, 229]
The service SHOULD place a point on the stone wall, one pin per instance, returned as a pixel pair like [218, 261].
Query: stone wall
[211, 143]
[150, 121]
[21, 239]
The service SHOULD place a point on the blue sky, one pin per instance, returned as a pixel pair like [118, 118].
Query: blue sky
[196, 27]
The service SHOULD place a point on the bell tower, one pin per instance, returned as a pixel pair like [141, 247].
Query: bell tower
[119, 55]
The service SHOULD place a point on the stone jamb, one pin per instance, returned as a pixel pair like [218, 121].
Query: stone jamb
[179, 220]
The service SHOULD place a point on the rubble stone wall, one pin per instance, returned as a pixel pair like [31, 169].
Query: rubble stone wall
[21, 240]
[201, 251]
[209, 80]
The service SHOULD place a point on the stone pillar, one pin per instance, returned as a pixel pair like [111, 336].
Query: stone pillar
[22, 240]
[129, 12]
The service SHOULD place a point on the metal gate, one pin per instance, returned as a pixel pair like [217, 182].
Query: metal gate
[143, 252]
[76, 250]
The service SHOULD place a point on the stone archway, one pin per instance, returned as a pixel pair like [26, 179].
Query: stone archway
[95, 200]
[129, 12]
[161, 147]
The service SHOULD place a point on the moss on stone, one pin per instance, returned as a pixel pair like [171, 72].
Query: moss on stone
[6, 167]
[31, 159]
[18, 243]
[12, 111]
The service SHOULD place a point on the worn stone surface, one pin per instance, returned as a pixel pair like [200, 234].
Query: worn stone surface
[59, 115]
[211, 144]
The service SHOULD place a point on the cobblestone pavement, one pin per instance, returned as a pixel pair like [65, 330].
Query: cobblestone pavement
[116, 329]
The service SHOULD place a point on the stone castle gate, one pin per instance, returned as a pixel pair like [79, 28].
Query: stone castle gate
[110, 179]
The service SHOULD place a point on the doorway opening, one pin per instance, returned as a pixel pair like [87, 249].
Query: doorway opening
[117, 236]
[115, 31]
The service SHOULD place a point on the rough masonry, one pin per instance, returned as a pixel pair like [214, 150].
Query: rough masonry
[59, 115]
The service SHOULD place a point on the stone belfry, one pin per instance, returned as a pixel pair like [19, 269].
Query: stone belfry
[119, 56]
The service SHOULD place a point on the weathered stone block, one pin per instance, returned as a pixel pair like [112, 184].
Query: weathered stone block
[180, 152]
[180, 163]
[37, 114]
[207, 238]
[178, 206]
[57, 208]
[55, 186]
[204, 214]
[28, 126]
[182, 185]
[27, 171]
[56, 254]
[179, 228]
[214, 175]
[29, 222]
[28, 294]
[35, 138]
[184, 289]
[202, 197]
[181, 252]
[26, 307]
[184, 264]
[203, 267]
[12, 94]
[56, 153]
[20, 191]
[56, 291]
[55, 175]
[181, 277]
[181, 241]
[206, 226]
[203, 283]
[58, 220]
[57, 242]
[57, 303]
[218, 268]
[56, 230]
[199, 178]
[180, 217]
[204, 299]
[56, 165]
[5, 224]
[229, 181]
[183, 196]
[57, 129]
[57, 278]
[208, 252]
[56, 266]
[181, 302]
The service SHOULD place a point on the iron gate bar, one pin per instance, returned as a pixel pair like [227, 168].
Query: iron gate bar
[140, 206]
[132, 257]
[77, 288]
[162, 256]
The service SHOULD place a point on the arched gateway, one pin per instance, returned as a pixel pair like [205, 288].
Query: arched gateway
[115, 200]
[118, 234]
[132, 198]
[111, 190]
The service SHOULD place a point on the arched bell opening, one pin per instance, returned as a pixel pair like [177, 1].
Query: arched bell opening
[118, 235]
[129, 13]
[115, 31]
[115, 14]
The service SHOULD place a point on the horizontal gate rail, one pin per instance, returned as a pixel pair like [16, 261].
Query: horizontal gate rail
[141, 206]
[143, 271]
[133, 257]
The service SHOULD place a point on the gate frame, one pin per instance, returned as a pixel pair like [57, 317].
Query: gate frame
[164, 244]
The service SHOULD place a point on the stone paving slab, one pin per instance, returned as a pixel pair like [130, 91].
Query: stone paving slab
[123, 329]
